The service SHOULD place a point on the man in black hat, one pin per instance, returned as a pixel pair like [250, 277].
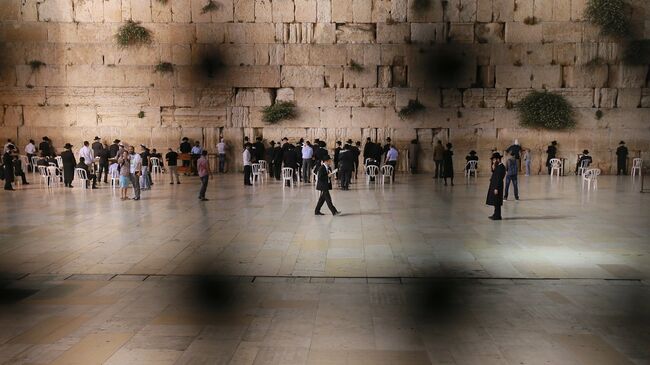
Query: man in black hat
[346, 164]
[185, 148]
[96, 146]
[45, 147]
[551, 152]
[471, 157]
[621, 158]
[277, 161]
[584, 157]
[8, 166]
[337, 151]
[356, 149]
[69, 163]
[324, 185]
[495, 192]
[114, 148]
[258, 150]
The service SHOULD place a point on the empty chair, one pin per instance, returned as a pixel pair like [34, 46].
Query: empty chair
[34, 162]
[590, 176]
[636, 166]
[287, 175]
[155, 165]
[54, 175]
[387, 172]
[44, 175]
[371, 173]
[584, 166]
[471, 168]
[59, 161]
[263, 167]
[81, 175]
[256, 175]
[556, 165]
[114, 173]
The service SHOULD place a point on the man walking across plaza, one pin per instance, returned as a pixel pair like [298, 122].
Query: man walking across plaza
[203, 168]
[324, 185]
[511, 175]
[495, 192]
[172, 164]
[135, 170]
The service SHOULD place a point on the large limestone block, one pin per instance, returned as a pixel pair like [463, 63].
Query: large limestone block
[70, 96]
[263, 11]
[184, 97]
[55, 11]
[348, 97]
[579, 98]
[503, 10]
[181, 12]
[507, 54]
[160, 13]
[382, 10]
[200, 117]
[578, 9]
[238, 117]
[368, 117]
[283, 11]
[562, 32]
[337, 117]
[546, 76]
[11, 116]
[473, 98]
[355, 33]
[362, 11]
[564, 54]
[513, 76]
[393, 33]
[581, 76]
[306, 11]
[22, 96]
[398, 10]
[366, 54]
[645, 98]
[605, 97]
[384, 76]
[88, 11]
[431, 98]
[215, 97]
[321, 54]
[121, 96]
[629, 98]
[623, 76]
[59, 116]
[451, 98]
[324, 11]
[253, 97]
[342, 11]
[161, 97]
[461, 32]
[428, 33]
[17, 32]
[302, 76]
[238, 33]
[404, 95]
[297, 54]
[244, 11]
[285, 94]
[434, 13]
[522, 33]
[333, 76]
[317, 97]
[364, 78]
[516, 95]
[540, 54]
[490, 32]
[373, 97]
[210, 33]
[476, 118]
[325, 33]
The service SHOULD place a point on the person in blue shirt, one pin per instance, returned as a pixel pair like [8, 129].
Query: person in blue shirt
[196, 152]
[391, 159]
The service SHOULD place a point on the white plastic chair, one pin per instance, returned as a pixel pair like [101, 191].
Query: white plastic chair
[556, 165]
[114, 173]
[365, 165]
[371, 172]
[59, 161]
[256, 176]
[80, 174]
[155, 165]
[387, 172]
[34, 162]
[42, 172]
[590, 176]
[287, 175]
[263, 168]
[53, 175]
[584, 166]
[636, 166]
[471, 167]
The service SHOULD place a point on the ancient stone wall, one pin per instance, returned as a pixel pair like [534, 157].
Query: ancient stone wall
[302, 50]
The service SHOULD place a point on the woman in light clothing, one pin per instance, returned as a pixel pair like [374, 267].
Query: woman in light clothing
[125, 173]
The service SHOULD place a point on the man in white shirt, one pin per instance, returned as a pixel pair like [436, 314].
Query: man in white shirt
[135, 170]
[221, 151]
[391, 159]
[307, 154]
[87, 154]
[246, 156]
[30, 151]
[196, 154]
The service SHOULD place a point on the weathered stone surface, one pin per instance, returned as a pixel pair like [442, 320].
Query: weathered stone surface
[489, 33]
[546, 76]
[305, 11]
[327, 54]
[579, 98]
[342, 11]
[316, 97]
[364, 78]
[580, 76]
[325, 33]
[451, 98]
[462, 32]
[627, 76]
[355, 33]
[349, 97]
[393, 33]
[283, 11]
[606, 98]
[368, 117]
[513, 76]
[244, 11]
[338, 117]
[55, 11]
[473, 98]
[302, 76]
[516, 32]
[253, 97]
[428, 33]
[562, 31]
[645, 98]
[495, 98]
[629, 98]
[378, 97]
[403, 96]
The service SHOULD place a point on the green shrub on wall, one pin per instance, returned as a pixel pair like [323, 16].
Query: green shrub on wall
[545, 110]
[609, 15]
[413, 107]
[133, 34]
[281, 110]
[164, 67]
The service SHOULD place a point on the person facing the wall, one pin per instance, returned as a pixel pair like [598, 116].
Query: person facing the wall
[438, 154]
[69, 163]
[621, 158]
[511, 176]
[248, 164]
[551, 153]
[448, 164]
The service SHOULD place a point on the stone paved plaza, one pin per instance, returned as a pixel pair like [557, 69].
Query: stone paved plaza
[411, 273]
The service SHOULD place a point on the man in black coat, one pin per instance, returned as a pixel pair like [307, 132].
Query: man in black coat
[621, 158]
[91, 177]
[290, 160]
[324, 185]
[551, 152]
[277, 161]
[8, 166]
[45, 146]
[346, 164]
[103, 155]
[495, 192]
[368, 149]
[69, 163]
[259, 149]
[356, 150]
[114, 148]
[97, 146]
[337, 152]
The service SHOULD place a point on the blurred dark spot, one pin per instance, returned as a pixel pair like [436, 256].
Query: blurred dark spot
[440, 299]
[210, 64]
[444, 66]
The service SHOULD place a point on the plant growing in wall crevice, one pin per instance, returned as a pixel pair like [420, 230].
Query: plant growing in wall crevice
[545, 110]
[610, 16]
[280, 110]
[210, 6]
[141, 114]
[414, 107]
[355, 66]
[36, 64]
[164, 67]
[133, 34]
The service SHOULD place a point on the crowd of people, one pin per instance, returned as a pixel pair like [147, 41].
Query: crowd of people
[306, 159]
